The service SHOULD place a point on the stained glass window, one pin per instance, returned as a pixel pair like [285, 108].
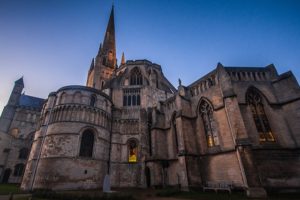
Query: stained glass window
[263, 128]
[206, 112]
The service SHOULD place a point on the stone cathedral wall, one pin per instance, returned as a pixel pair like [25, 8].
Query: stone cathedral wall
[54, 161]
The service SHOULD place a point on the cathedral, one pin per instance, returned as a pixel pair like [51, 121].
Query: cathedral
[235, 124]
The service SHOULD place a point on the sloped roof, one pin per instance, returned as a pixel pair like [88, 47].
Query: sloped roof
[30, 101]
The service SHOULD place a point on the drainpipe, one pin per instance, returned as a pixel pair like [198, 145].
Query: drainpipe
[42, 144]
[110, 138]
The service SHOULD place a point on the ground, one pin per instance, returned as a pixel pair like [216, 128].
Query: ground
[141, 194]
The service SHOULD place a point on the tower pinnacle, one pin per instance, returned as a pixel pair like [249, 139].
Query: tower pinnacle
[105, 63]
[108, 51]
[123, 59]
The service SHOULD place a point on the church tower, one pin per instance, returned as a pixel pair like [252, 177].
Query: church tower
[103, 66]
[10, 109]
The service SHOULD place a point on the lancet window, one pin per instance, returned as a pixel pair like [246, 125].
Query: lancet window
[206, 112]
[87, 144]
[131, 97]
[261, 121]
[136, 77]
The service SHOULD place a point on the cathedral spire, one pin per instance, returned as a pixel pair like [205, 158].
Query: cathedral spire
[123, 59]
[109, 43]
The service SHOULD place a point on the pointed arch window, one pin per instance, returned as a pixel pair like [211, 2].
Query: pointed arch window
[206, 112]
[87, 144]
[261, 121]
[136, 77]
[132, 151]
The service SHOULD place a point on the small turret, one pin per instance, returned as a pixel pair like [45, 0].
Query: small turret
[123, 61]
[108, 50]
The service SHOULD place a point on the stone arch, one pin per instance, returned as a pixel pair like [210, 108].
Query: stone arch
[62, 98]
[204, 99]
[136, 77]
[87, 142]
[77, 97]
[255, 89]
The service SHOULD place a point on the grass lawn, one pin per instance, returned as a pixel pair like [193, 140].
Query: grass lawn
[9, 188]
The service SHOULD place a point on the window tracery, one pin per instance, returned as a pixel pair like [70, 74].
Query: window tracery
[261, 121]
[131, 97]
[206, 112]
[136, 77]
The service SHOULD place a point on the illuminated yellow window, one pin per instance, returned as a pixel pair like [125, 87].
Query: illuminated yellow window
[206, 112]
[263, 128]
[132, 154]
[15, 132]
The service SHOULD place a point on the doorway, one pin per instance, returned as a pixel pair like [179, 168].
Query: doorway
[148, 176]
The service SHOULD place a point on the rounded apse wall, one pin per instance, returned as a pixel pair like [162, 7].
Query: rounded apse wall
[75, 138]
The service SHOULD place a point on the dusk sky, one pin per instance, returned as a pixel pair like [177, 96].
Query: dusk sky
[52, 42]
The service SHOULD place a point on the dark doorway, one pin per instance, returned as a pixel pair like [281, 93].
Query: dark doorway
[6, 175]
[148, 176]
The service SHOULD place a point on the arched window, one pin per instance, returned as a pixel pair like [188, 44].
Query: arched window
[23, 153]
[77, 97]
[132, 151]
[19, 169]
[263, 128]
[87, 144]
[63, 98]
[136, 77]
[175, 130]
[206, 112]
[93, 100]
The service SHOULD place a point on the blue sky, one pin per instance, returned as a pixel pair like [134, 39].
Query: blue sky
[51, 42]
